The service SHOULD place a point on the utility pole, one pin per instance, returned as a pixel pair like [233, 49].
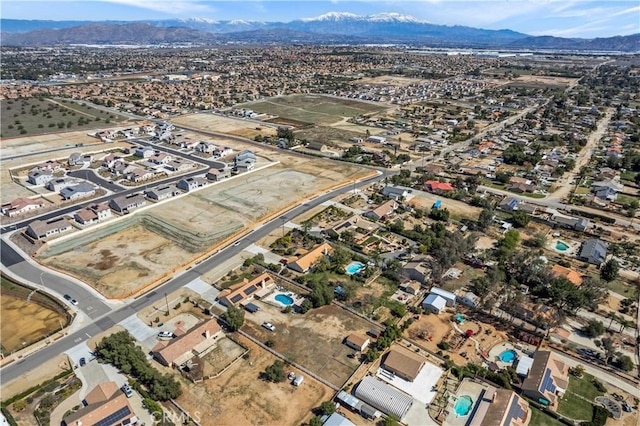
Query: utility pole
[167, 301]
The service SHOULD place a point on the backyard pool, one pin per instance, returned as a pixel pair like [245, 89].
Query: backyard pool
[459, 318]
[284, 299]
[463, 405]
[508, 356]
[354, 268]
[561, 246]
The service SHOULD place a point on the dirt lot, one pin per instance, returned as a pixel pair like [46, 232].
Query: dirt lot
[425, 200]
[313, 340]
[316, 109]
[241, 397]
[36, 321]
[390, 80]
[232, 126]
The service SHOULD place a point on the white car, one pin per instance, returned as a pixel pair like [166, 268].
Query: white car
[165, 335]
[268, 326]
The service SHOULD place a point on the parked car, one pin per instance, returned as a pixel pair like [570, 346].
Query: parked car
[236, 244]
[268, 326]
[626, 407]
[165, 335]
[70, 299]
[127, 390]
[83, 362]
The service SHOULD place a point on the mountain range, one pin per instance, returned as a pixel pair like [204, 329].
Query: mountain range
[334, 28]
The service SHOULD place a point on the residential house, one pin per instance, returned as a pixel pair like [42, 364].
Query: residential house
[317, 146]
[39, 177]
[395, 192]
[245, 290]
[162, 192]
[125, 203]
[196, 342]
[509, 204]
[189, 184]
[383, 211]
[40, 229]
[306, 261]
[576, 223]
[178, 165]
[50, 165]
[78, 159]
[574, 277]
[222, 151]
[411, 287]
[160, 158]
[547, 380]
[110, 160]
[607, 189]
[376, 139]
[522, 187]
[244, 166]
[218, 174]
[470, 299]
[434, 185]
[77, 191]
[144, 152]
[104, 405]
[246, 155]
[92, 214]
[56, 185]
[357, 341]
[383, 397]
[20, 206]
[403, 363]
[446, 295]
[593, 251]
[137, 174]
[204, 147]
[417, 270]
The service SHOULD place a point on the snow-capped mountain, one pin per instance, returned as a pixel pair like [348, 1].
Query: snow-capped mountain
[333, 16]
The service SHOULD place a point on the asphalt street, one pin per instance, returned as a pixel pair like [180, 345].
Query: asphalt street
[108, 319]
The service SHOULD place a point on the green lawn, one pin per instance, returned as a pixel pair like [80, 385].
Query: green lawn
[624, 199]
[575, 407]
[584, 386]
[628, 175]
[582, 191]
[540, 418]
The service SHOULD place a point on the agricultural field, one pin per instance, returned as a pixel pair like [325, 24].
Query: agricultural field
[38, 318]
[21, 117]
[240, 396]
[312, 109]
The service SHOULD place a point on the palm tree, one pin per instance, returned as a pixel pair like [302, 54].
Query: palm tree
[613, 317]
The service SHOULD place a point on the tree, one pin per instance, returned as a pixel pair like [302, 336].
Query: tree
[594, 328]
[485, 218]
[234, 317]
[624, 362]
[315, 421]
[285, 133]
[481, 287]
[327, 408]
[391, 420]
[520, 218]
[275, 372]
[441, 215]
[609, 270]
[608, 345]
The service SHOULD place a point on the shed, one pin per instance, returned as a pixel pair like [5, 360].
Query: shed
[434, 303]
[336, 419]
[446, 295]
[298, 380]
[524, 365]
[357, 341]
[348, 400]
[470, 299]
[384, 397]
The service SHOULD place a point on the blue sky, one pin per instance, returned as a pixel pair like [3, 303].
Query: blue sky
[564, 18]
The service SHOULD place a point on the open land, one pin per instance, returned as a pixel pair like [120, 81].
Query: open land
[232, 126]
[39, 317]
[314, 340]
[40, 116]
[313, 109]
[240, 396]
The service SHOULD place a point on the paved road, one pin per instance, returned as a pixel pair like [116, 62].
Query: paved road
[91, 176]
[104, 322]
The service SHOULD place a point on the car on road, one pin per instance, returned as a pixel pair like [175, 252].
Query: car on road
[127, 390]
[236, 244]
[70, 299]
[268, 326]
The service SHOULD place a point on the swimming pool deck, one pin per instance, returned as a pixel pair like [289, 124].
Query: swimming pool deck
[271, 298]
[476, 392]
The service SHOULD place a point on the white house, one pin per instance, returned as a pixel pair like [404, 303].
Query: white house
[446, 295]
[470, 299]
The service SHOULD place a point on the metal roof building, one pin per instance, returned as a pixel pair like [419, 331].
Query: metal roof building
[383, 397]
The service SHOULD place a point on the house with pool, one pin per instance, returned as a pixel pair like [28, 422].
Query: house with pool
[477, 403]
[246, 290]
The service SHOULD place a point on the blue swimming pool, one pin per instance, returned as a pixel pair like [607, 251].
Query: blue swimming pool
[354, 268]
[459, 318]
[508, 356]
[463, 405]
[561, 246]
[284, 299]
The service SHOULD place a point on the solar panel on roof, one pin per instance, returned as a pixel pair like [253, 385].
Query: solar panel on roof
[547, 382]
[112, 418]
[250, 290]
[236, 298]
[515, 411]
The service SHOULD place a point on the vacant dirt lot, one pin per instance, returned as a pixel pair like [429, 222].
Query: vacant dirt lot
[425, 200]
[241, 397]
[36, 321]
[120, 262]
[232, 126]
[313, 340]
[390, 80]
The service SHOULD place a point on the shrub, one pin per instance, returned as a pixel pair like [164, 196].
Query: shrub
[20, 405]
[444, 345]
